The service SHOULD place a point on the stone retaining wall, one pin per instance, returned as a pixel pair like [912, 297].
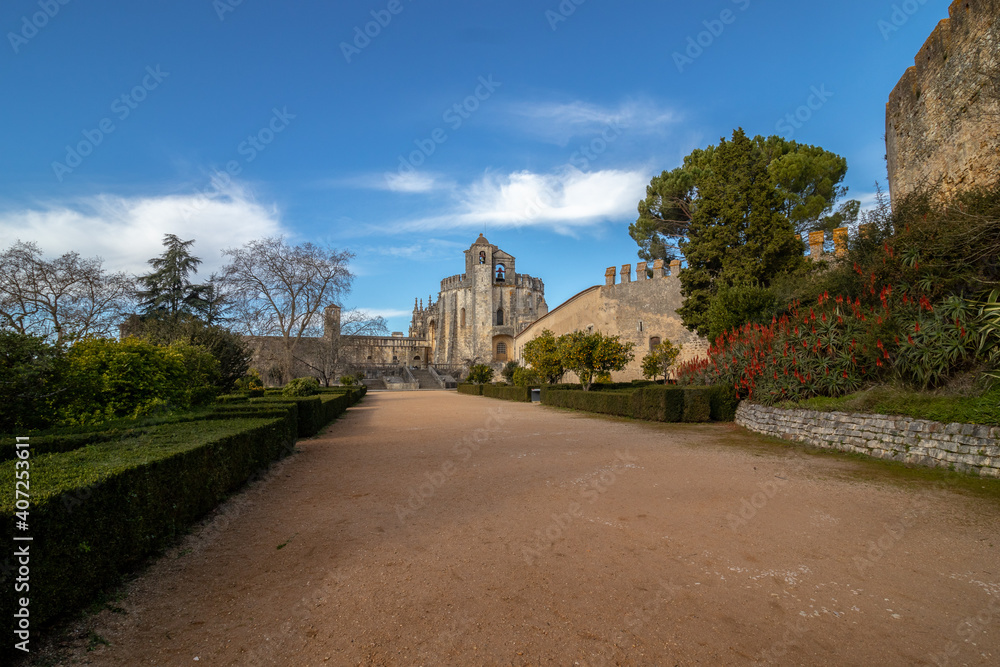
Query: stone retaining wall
[966, 448]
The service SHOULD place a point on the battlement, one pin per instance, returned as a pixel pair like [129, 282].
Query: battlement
[645, 271]
[941, 117]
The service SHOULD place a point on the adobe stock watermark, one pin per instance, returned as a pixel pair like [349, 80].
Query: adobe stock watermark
[890, 537]
[580, 161]
[749, 507]
[697, 44]
[454, 117]
[900, 16]
[562, 13]
[968, 630]
[249, 150]
[121, 108]
[364, 35]
[31, 24]
[598, 485]
[433, 481]
[818, 97]
[223, 7]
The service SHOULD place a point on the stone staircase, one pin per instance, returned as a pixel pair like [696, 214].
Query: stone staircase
[425, 378]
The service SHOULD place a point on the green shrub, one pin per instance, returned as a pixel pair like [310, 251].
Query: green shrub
[662, 403]
[103, 509]
[30, 381]
[348, 380]
[480, 374]
[526, 377]
[307, 386]
[522, 394]
[697, 404]
[471, 389]
[131, 378]
[602, 402]
[724, 402]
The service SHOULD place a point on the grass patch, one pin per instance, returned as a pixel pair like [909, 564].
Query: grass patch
[983, 408]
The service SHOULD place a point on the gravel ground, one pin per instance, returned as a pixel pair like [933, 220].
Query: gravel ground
[431, 528]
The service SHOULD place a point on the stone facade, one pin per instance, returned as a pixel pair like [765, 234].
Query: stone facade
[478, 313]
[966, 448]
[642, 311]
[943, 117]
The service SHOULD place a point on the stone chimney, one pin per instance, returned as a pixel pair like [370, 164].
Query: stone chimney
[816, 241]
[609, 276]
[840, 242]
[626, 273]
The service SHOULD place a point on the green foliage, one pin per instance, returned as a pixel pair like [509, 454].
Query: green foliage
[662, 403]
[739, 233]
[250, 382]
[522, 394]
[168, 288]
[30, 370]
[544, 357]
[348, 380]
[161, 328]
[977, 408]
[660, 359]
[471, 389]
[307, 386]
[109, 379]
[591, 355]
[526, 377]
[127, 499]
[481, 374]
[734, 306]
[806, 181]
[508, 371]
[989, 342]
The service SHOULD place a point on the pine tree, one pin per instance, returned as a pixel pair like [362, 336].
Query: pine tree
[739, 234]
[168, 288]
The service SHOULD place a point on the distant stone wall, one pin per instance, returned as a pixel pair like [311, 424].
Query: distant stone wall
[943, 117]
[966, 448]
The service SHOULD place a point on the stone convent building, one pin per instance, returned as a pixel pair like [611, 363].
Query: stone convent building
[943, 117]
[478, 313]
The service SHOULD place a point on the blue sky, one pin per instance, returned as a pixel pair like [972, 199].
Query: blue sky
[538, 123]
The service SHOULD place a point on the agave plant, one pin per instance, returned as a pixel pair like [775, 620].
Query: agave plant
[989, 341]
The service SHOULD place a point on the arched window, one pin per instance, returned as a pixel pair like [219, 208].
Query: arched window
[501, 349]
[501, 272]
[416, 358]
[369, 357]
[482, 256]
[654, 341]
[463, 317]
[500, 317]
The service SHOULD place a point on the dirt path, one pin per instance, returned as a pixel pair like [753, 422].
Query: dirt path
[431, 528]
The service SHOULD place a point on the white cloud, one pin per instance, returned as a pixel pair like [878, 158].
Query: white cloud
[558, 122]
[127, 231]
[387, 313]
[562, 202]
[406, 182]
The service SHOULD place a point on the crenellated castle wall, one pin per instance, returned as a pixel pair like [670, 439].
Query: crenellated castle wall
[943, 117]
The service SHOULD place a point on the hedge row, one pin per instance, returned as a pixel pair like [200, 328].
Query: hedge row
[670, 403]
[471, 389]
[507, 393]
[332, 403]
[100, 509]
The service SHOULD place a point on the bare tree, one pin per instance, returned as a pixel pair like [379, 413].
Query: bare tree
[325, 356]
[280, 290]
[67, 297]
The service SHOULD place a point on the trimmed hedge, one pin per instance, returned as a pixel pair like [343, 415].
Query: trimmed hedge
[506, 393]
[471, 389]
[662, 403]
[100, 510]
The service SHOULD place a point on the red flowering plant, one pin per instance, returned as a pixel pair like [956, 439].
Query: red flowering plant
[839, 345]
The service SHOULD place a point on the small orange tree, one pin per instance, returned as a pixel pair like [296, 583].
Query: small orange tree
[594, 354]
